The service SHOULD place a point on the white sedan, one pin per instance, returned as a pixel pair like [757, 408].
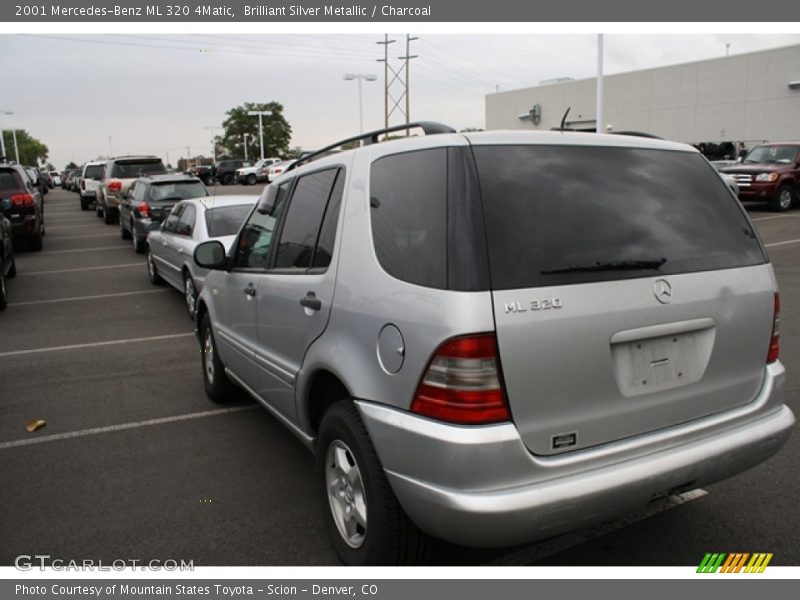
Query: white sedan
[170, 248]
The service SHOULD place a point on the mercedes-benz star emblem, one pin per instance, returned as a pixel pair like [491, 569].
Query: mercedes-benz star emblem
[663, 291]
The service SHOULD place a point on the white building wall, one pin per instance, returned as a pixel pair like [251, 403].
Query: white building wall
[744, 97]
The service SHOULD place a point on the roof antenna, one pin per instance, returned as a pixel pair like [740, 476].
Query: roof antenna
[564, 118]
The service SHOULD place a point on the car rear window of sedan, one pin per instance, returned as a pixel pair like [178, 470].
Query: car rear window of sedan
[226, 220]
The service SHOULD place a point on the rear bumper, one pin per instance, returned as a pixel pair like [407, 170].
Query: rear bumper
[480, 486]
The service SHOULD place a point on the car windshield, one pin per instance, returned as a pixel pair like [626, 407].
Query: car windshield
[137, 168]
[226, 220]
[772, 155]
[176, 190]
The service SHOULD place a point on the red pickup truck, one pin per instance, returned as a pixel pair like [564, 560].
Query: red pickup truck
[770, 173]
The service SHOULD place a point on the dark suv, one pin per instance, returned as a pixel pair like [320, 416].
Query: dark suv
[25, 206]
[771, 173]
[119, 174]
[225, 170]
[149, 198]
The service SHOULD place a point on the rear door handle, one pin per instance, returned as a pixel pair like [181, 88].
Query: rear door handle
[311, 301]
[250, 290]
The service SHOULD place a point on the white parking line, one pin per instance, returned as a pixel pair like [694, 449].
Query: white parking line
[85, 236]
[124, 427]
[125, 247]
[784, 243]
[95, 344]
[570, 540]
[56, 271]
[775, 217]
[97, 297]
[51, 227]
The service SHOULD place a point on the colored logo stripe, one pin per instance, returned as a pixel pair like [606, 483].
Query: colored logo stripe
[734, 562]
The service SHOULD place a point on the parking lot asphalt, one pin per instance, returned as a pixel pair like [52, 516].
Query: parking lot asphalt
[135, 462]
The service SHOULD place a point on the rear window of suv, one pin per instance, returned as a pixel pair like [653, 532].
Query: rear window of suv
[126, 169]
[560, 215]
[94, 171]
[9, 181]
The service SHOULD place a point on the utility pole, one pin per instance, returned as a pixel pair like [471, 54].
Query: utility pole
[16, 148]
[599, 106]
[408, 58]
[245, 135]
[261, 114]
[385, 60]
[110, 147]
[2, 141]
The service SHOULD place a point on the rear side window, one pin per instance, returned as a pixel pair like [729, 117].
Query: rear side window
[569, 214]
[136, 168]
[408, 199]
[304, 219]
[226, 220]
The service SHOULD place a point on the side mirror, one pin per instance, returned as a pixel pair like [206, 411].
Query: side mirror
[210, 255]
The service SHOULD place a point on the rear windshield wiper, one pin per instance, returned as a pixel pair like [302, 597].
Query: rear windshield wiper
[619, 265]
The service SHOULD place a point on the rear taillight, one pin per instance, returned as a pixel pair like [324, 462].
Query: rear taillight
[114, 185]
[22, 200]
[144, 209]
[83, 184]
[775, 341]
[462, 383]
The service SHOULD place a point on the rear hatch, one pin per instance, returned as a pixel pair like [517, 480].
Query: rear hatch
[629, 288]
[127, 170]
[22, 201]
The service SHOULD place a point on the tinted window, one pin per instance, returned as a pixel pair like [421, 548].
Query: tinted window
[226, 220]
[93, 171]
[176, 190]
[773, 154]
[171, 224]
[139, 192]
[136, 168]
[256, 237]
[556, 215]
[186, 222]
[327, 235]
[408, 196]
[9, 181]
[303, 221]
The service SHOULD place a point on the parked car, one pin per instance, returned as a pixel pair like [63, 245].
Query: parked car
[275, 170]
[257, 173]
[70, 180]
[148, 199]
[729, 179]
[24, 207]
[502, 347]
[8, 267]
[119, 173]
[225, 170]
[89, 182]
[38, 180]
[204, 173]
[55, 177]
[47, 178]
[170, 248]
[769, 173]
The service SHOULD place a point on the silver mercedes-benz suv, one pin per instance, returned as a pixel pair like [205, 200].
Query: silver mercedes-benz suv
[491, 338]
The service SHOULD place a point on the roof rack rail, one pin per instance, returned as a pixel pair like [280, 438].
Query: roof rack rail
[429, 127]
[643, 134]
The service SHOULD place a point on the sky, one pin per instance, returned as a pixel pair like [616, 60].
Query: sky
[159, 93]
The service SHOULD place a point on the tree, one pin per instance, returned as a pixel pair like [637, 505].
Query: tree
[71, 165]
[31, 150]
[277, 131]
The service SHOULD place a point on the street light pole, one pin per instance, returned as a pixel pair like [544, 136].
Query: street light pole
[2, 140]
[213, 128]
[110, 147]
[359, 77]
[16, 148]
[261, 114]
[245, 135]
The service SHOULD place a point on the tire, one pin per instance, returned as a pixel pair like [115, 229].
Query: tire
[190, 294]
[98, 208]
[12, 272]
[124, 233]
[35, 241]
[3, 301]
[209, 181]
[138, 244]
[152, 271]
[783, 200]
[251, 179]
[352, 482]
[108, 217]
[227, 179]
[219, 388]
[84, 203]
